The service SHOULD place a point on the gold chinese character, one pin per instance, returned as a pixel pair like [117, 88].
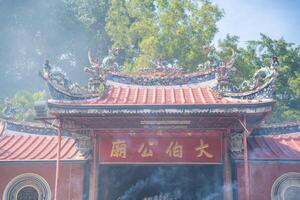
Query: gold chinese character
[118, 149]
[202, 150]
[145, 151]
[174, 150]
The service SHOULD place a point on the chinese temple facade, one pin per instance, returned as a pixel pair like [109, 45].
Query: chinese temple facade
[168, 136]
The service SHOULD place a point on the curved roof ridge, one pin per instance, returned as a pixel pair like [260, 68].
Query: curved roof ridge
[124, 95]
[277, 129]
[208, 83]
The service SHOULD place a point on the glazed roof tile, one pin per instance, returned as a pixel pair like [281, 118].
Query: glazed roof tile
[158, 96]
[20, 146]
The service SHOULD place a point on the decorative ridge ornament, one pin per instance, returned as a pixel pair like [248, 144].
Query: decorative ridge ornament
[98, 69]
[107, 72]
[224, 71]
[207, 77]
[62, 88]
[260, 86]
[9, 111]
[236, 143]
[83, 144]
[2, 128]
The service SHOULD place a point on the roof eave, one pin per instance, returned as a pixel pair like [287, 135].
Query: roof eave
[144, 109]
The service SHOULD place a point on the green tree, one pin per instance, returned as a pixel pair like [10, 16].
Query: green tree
[23, 102]
[92, 14]
[244, 58]
[154, 30]
[258, 54]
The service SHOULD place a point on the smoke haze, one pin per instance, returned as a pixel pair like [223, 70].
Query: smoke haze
[33, 31]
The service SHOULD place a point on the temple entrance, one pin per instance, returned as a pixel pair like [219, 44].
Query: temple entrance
[28, 193]
[170, 182]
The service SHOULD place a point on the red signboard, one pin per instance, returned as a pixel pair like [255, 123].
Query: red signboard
[151, 148]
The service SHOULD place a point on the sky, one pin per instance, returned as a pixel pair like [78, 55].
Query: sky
[248, 18]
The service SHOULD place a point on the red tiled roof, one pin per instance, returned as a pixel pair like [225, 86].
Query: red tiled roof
[274, 147]
[21, 147]
[159, 95]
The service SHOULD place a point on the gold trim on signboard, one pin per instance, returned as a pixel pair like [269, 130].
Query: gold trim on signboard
[175, 122]
[160, 163]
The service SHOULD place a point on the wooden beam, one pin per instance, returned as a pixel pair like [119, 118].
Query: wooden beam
[243, 124]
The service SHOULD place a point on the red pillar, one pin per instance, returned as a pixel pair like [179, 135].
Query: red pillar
[94, 178]
[246, 167]
[227, 167]
[57, 161]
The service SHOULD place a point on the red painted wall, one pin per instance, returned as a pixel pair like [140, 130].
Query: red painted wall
[70, 183]
[262, 177]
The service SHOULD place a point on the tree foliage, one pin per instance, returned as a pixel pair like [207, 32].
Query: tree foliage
[92, 14]
[153, 30]
[257, 54]
[175, 31]
[23, 102]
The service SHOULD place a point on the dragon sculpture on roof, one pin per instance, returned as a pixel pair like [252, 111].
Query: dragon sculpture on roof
[260, 85]
[213, 73]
